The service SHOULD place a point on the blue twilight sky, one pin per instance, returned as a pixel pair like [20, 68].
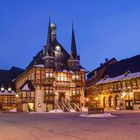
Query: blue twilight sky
[103, 29]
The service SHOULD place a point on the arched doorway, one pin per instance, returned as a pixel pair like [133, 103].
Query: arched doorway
[110, 101]
[105, 102]
[129, 102]
[61, 97]
[117, 102]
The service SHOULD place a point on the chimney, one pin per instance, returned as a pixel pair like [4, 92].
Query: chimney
[106, 60]
[101, 64]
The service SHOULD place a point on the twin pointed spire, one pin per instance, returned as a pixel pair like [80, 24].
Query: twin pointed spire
[73, 45]
[49, 46]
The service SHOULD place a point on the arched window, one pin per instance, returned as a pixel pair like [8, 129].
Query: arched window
[117, 101]
[105, 102]
[111, 101]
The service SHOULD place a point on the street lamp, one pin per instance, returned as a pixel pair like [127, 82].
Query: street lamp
[16, 95]
[96, 98]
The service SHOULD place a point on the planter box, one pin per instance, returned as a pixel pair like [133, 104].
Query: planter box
[95, 110]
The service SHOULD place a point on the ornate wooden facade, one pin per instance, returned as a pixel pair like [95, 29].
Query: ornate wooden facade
[124, 94]
[8, 100]
[53, 80]
[119, 91]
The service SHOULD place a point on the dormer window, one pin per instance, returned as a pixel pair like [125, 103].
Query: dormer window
[126, 73]
[57, 48]
[9, 89]
[106, 77]
[2, 88]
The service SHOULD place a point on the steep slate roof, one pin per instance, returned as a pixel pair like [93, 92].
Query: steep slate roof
[101, 67]
[100, 72]
[115, 70]
[61, 58]
[131, 64]
[7, 77]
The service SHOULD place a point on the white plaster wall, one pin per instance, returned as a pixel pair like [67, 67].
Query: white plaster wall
[25, 108]
[82, 96]
[56, 95]
[39, 100]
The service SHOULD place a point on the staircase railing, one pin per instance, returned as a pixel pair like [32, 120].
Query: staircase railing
[58, 106]
[65, 106]
[70, 107]
[77, 108]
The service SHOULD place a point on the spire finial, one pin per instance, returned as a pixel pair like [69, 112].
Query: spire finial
[49, 20]
[73, 44]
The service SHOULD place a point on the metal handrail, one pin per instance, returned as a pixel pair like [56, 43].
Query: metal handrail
[77, 106]
[58, 105]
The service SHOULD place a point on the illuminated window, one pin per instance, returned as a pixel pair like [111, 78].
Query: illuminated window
[49, 75]
[105, 102]
[77, 77]
[111, 102]
[73, 92]
[62, 78]
[28, 94]
[117, 100]
[78, 92]
[73, 77]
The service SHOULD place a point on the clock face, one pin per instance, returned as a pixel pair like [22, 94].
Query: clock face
[57, 48]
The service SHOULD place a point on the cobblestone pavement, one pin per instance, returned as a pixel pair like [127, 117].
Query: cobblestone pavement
[69, 126]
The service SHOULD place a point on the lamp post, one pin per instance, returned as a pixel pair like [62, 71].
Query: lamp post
[17, 96]
[96, 101]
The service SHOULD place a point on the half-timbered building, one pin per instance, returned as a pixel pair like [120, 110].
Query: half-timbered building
[115, 84]
[53, 80]
[7, 88]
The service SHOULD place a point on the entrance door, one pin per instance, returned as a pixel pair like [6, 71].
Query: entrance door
[49, 107]
[129, 104]
[61, 97]
[31, 107]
